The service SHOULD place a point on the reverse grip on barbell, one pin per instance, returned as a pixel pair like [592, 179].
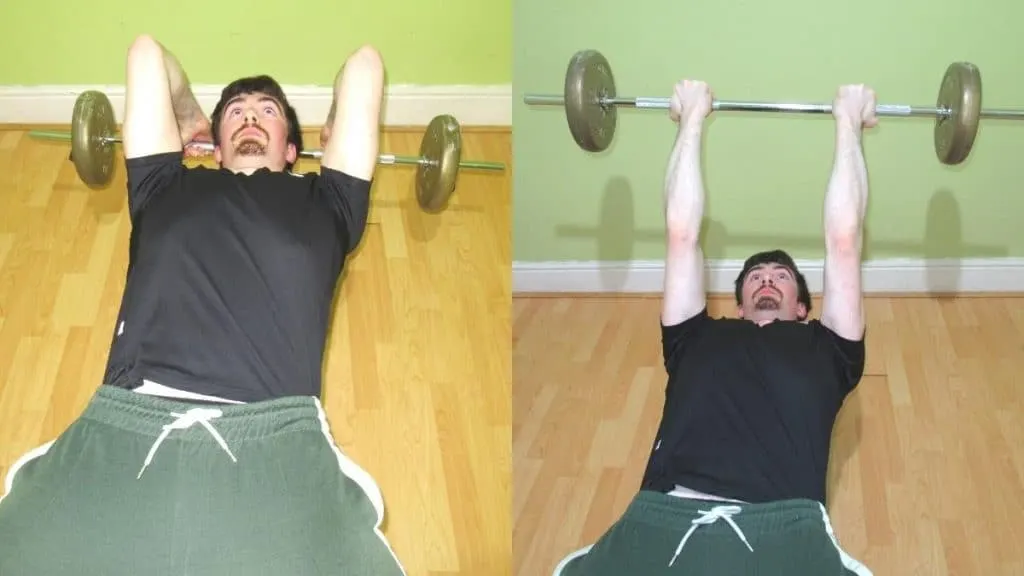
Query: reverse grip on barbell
[94, 134]
[590, 99]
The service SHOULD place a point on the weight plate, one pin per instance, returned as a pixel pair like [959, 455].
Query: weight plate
[960, 92]
[91, 121]
[440, 153]
[588, 80]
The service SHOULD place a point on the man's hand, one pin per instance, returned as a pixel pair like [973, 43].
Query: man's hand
[691, 101]
[325, 132]
[854, 107]
[195, 130]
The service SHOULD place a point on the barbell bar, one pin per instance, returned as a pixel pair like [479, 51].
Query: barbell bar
[590, 100]
[386, 159]
[93, 135]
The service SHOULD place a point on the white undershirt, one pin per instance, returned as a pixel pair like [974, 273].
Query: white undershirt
[154, 389]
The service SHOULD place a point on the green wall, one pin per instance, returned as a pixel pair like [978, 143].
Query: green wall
[766, 175]
[427, 43]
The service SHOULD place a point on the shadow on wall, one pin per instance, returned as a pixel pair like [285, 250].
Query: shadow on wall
[616, 236]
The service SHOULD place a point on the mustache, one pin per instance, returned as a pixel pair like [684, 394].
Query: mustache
[252, 127]
[763, 299]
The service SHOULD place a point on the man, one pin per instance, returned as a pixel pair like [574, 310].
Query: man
[206, 450]
[735, 483]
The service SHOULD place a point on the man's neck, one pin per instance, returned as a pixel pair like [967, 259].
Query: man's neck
[247, 169]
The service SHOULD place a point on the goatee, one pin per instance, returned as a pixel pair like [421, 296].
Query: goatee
[251, 148]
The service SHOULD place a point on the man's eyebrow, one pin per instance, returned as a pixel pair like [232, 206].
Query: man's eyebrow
[237, 99]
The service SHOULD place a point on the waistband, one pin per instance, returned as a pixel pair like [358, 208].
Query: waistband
[675, 513]
[148, 415]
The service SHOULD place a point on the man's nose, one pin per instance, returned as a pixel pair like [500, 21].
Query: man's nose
[250, 116]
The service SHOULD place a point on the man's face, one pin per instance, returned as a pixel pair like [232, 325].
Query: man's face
[253, 134]
[771, 292]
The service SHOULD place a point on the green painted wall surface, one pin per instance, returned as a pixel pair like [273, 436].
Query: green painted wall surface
[451, 42]
[765, 174]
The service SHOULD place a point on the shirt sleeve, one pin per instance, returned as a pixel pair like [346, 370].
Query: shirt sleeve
[676, 338]
[149, 176]
[848, 357]
[348, 198]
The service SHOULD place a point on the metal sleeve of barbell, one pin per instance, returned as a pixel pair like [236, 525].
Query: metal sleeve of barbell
[543, 100]
[417, 160]
[48, 135]
[480, 165]
[1002, 113]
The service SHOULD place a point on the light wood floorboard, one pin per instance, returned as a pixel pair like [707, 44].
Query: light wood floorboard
[417, 374]
[927, 469]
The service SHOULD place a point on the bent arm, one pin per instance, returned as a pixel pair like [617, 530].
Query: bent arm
[354, 120]
[845, 207]
[684, 210]
[158, 101]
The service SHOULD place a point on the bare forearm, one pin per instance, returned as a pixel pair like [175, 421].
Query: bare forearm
[186, 107]
[684, 183]
[847, 196]
[846, 202]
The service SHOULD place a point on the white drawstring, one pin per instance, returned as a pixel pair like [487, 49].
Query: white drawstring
[185, 421]
[710, 517]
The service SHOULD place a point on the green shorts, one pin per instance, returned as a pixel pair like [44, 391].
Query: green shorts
[666, 535]
[145, 485]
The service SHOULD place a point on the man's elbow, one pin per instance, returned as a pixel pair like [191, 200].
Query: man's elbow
[367, 57]
[364, 65]
[682, 231]
[844, 240]
[145, 51]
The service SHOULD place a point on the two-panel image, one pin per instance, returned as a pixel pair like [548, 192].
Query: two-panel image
[511, 289]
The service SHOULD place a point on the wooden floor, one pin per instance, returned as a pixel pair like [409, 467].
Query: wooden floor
[418, 373]
[927, 470]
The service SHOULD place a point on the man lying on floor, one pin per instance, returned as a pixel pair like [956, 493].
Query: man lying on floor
[206, 450]
[735, 483]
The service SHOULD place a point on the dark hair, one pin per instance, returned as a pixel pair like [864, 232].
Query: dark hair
[781, 258]
[264, 85]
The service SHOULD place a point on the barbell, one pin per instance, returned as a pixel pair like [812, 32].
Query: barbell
[94, 133]
[591, 99]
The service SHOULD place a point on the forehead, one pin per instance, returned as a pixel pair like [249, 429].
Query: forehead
[252, 98]
[768, 267]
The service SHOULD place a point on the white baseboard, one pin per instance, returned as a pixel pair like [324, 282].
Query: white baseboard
[880, 276]
[405, 105]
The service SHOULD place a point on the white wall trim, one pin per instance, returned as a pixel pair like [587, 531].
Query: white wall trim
[908, 275]
[405, 105]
